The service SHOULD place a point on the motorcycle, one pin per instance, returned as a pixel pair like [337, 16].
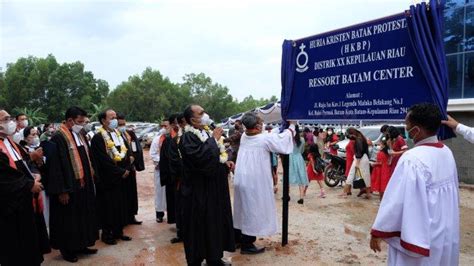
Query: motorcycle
[334, 172]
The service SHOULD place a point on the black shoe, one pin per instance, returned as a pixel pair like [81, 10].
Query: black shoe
[88, 251]
[159, 220]
[125, 238]
[300, 201]
[69, 257]
[251, 250]
[109, 241]
[134, 221]
[176, 240]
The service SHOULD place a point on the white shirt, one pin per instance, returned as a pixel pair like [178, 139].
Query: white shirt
[16, 157]
[155, 149]
[466, 132]
[18, 136]
[254, 201]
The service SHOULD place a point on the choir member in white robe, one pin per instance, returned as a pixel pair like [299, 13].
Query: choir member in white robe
[465, 131]
[160, 191]
[254, 201]
[419, 213]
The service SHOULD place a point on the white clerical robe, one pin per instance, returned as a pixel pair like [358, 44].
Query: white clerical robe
[419, 213]
[466, 132]
[254, 200]
[160, 191]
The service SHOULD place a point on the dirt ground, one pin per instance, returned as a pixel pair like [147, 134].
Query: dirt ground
[328, 231]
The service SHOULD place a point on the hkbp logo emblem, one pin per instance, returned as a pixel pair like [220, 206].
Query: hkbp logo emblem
[302, 67]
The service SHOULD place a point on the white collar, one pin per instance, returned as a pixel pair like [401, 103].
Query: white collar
[432, 139]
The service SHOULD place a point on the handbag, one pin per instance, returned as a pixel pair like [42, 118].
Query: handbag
[319, 165]
[358, 180]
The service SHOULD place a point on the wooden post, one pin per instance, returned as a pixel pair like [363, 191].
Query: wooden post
[286, 197]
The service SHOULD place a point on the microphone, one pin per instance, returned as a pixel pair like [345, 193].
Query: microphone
[212, 126]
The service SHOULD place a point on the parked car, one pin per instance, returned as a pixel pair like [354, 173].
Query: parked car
[147, 135]
[373, 134]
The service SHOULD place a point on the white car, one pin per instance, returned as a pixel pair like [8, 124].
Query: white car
[372, 133]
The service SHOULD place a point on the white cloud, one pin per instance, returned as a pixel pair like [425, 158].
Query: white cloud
[237, 43]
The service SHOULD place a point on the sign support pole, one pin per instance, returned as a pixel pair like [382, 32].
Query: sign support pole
[286, 198]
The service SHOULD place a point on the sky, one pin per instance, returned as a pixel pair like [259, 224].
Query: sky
[236, 43]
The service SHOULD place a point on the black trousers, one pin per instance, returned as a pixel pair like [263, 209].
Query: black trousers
[243, 239]
[170, 202]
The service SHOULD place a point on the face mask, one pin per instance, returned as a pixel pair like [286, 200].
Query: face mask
[77, 128]
[410, 136]
[163, 131]
[88, 128]
[329, 133]
[122, 129]
[113, 124]
[24, 123]
[9, 128]
[206, 120]
[35, 142]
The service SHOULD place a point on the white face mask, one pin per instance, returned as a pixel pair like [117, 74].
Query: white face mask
[9, 128]
[206, 120]
[113, 124]
[329, 133]
[35, 142]
[163, 131]
[24, 123]
[77, 128]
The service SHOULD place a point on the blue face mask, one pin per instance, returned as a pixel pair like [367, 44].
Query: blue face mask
[410, 130]
[113, 124]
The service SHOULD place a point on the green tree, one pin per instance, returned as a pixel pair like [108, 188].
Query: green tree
[35, 116]
[96, 109]
[3, 100]
[34, 83]
[148, 97]
[213, 97]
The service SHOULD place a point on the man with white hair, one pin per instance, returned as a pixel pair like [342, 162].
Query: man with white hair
[254, 202]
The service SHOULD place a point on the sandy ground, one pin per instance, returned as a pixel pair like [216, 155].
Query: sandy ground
[328, 231]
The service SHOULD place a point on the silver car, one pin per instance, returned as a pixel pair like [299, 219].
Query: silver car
[372, 133]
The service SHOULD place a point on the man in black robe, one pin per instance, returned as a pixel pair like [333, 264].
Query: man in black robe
[19, 244]
[171, 172]
[207, 216]
[70, 186]
[138, 165]
[112, 167]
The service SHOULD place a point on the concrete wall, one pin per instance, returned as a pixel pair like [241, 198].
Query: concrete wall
[462, 149]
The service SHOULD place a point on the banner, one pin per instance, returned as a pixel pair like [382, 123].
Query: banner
[364, 72]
